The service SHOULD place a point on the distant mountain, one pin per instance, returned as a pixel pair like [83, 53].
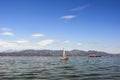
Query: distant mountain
[51, 53]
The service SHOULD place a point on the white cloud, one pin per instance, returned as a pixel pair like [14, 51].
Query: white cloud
[2, 42]
[68, 17]
[7, 33]
[16, 45]
[45, 42]
[5, 29]
[7, 44]
[65, 41]
[78, 44]
[79, 8]
[37, 35]
[22, 41]
[23, 44]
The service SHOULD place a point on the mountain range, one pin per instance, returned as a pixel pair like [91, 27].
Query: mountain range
[53, 53]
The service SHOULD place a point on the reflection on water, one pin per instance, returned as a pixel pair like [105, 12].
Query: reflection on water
[52, 68]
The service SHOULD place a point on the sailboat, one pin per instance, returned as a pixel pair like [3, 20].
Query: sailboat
[64, 56]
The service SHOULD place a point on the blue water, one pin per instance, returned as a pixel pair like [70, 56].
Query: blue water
[51, 68]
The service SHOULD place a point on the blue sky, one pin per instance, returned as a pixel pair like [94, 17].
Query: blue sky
[54, 24]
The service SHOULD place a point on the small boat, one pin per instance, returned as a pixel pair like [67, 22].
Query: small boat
[94, 55]
[64, 56]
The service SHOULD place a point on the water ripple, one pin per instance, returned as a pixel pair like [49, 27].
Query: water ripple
[51, 68]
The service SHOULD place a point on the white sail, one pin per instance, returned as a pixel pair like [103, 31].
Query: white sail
[64, 55]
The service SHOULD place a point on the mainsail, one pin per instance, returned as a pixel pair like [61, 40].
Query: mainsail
[64, 55]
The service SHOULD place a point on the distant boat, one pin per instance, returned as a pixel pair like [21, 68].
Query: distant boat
[64, 56]
[94, 55]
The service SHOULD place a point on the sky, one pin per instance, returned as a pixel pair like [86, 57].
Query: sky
[56, 24]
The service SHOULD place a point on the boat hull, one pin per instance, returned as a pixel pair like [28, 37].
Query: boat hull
[64, 58]
[94, 55]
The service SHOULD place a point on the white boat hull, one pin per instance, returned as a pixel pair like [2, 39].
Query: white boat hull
[64, 58]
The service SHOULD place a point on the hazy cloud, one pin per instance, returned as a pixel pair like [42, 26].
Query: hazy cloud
[79, 8]
[78, 44]
[7, 33]
[17, 45]
[65, 41]
[22, 41]
[37, 35]
[45, 42]
[5, 29]
[7, 44]
[68, 17]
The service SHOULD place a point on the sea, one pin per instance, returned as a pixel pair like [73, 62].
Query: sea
[52, 68]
